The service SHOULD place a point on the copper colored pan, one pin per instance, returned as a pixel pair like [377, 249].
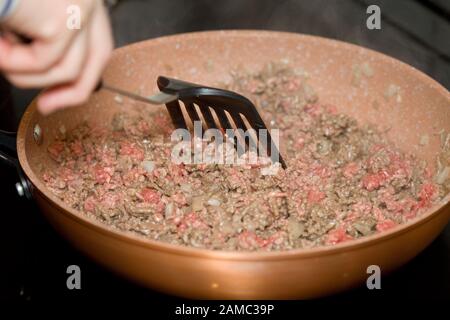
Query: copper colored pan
[421, 107]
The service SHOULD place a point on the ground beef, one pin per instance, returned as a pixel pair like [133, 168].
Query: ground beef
[343, 180]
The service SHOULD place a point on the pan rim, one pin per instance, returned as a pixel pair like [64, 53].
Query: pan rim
[300, 253]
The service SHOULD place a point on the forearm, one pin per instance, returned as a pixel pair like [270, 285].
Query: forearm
[7, 7]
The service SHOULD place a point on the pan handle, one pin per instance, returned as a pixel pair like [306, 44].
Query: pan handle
[8, 155]
[8, 150]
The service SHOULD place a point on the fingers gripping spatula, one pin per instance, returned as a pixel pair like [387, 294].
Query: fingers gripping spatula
[215, 108]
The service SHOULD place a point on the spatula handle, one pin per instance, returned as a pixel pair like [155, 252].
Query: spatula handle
[158, 98]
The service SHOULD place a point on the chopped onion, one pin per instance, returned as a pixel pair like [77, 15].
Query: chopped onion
[186, 187]
[271, 170]
[197, 203]
[149, 166]
[214, 202]
[170, 210]
[443, 175]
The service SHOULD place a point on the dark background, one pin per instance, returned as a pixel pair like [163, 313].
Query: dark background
[35, 258]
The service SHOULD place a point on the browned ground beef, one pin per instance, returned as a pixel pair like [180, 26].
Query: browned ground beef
[343, 180]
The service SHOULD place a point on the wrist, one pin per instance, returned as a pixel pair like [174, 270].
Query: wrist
[7, 7]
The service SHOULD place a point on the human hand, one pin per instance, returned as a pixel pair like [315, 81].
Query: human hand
[68, 62]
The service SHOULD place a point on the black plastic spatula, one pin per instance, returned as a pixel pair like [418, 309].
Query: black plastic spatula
[215, 108]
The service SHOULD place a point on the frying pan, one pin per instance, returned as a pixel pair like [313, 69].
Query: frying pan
[420, 107]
